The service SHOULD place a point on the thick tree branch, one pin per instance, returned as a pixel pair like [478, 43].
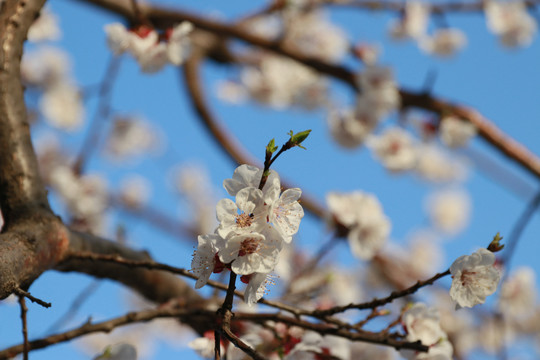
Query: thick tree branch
[21, 188]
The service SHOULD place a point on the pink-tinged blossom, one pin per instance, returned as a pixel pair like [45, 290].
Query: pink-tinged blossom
[363, 216]
[205, 260]
[252, 252]
[455, 132]
[205, 345]
[423, 324]
[474, 277]
[413, 22]
[444, 42]
[511, 22]
[395, 149]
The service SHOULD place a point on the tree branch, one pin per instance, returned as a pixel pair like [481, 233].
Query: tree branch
[21, 189]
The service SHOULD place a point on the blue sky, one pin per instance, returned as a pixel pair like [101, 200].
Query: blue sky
[502, 84]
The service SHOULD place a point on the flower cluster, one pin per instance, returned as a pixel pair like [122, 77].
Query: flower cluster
[147, 47]
[251, 230]
[511, 22]
[474, 277]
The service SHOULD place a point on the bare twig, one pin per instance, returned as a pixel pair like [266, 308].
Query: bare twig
[382, 301]
[26, 294]
[517, 230]
[107, 326]
[24, 310]
[101, 115]
[75, 305]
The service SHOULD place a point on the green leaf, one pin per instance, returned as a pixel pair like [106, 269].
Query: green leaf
[495, 244]
[298, 138]
[271, 147]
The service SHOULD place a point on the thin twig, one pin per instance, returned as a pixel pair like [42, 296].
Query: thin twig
[108, 326]
[24, 310]
[75, 305]
[102, 113]
[21, 292]
[517, 230]
[382, 301]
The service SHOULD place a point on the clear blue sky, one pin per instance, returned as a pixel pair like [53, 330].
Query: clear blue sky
[502, 84]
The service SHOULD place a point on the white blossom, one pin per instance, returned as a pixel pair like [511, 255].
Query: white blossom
[474, 277]
[362, 214]
[379, 90]
[134, 191]
[45, 27]
[438, 166]
[423, 324]
[256, 287]
[449, 210]
[179, 44]
[131, 136]
[444, 42]
[413, 22]
[455, 132]
[286, 213]
[511, 22]
[252, 252]
[395, 149]
[205, 345]
[281, 82]
[250, 176]
[350, 128]
[46, 67]
[518, 293]
[247, 214]
[205, 257]
[311, 33]
[62, 107]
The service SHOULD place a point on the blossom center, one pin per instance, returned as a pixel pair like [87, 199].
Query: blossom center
[248, 246]
[467, 277]
[244, 220]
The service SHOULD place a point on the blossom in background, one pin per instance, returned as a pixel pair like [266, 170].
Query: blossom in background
[395, 149]
[280, 82]
[145, 44]
[45, 67]
[62, 106]
[413, 22]
[131, 136]
[510, 21]
[362, 215]
[121, 351]
[474, 277]
[437, 165]
[444, 42]
[449, 210]
[311, 33]
[45, 27]
[455, 132]
[518, 293]
[134, 191]
[379, 90]
[422, 323]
